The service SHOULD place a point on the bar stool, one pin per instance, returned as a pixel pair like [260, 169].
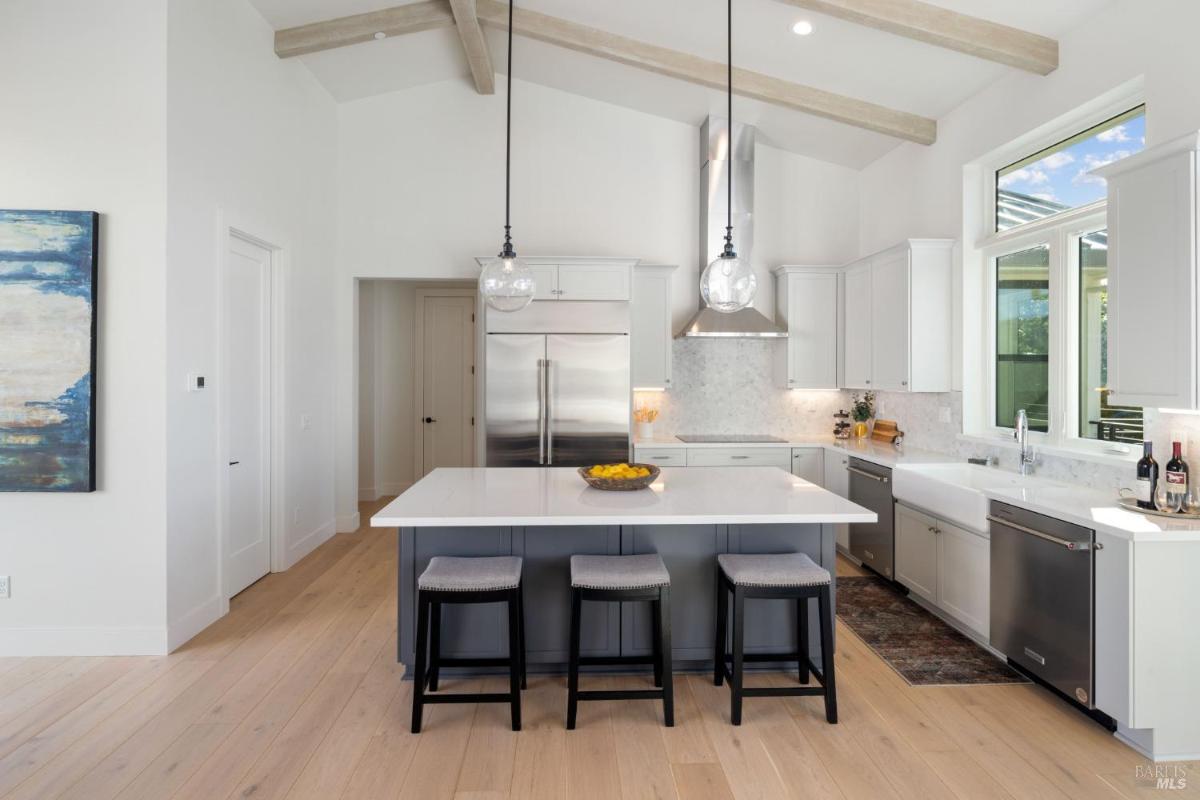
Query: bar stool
[467, 580]
[780, 577]
[623, 579]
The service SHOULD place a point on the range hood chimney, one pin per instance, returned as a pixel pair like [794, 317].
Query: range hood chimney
[717, 149]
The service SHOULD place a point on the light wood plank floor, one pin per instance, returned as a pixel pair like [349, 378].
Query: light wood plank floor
[295, 694]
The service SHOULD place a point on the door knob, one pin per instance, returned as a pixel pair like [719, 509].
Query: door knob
[429, 420]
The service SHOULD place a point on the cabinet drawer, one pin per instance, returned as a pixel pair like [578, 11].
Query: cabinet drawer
[740, 457]
[661, 456]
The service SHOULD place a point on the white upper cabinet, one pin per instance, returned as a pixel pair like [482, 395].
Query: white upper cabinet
[1152, 277]
[572, 278]
[856, 305]
[650, 327]
[806, 304]
[897, 309]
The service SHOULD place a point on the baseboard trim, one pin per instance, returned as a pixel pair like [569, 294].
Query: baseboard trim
[182, 630]
[347, 523]
[309, 542]
[393, 489]
[369, 495]
[131, 641]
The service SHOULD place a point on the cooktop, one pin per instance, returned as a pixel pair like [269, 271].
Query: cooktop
[724, 438]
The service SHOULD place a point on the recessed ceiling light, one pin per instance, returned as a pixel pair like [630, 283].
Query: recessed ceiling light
[380, 35]
[802, 28]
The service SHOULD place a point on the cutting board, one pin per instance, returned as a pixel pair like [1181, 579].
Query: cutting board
[885, 430]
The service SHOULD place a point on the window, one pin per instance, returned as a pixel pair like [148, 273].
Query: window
[1058, 178]
[1023, 337]
[1046, 339]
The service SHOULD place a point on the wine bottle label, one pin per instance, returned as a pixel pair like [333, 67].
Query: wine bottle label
[1142, 490]
[1177, 478]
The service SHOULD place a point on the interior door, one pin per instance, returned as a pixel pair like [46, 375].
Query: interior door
[889, 323]
[514, 399]
[447, 382]
[857, 353]
[588, 410]
[247, 401]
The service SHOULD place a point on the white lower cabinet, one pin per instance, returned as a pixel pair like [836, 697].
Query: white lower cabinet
[944, 564]
[837, 480]
[809, 463]
[662, 456]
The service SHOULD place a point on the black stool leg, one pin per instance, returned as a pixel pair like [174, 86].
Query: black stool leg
[663, 664]
[514, 658]
[419, 666]
[435, 643]
[802, 636]
[739, 640]
[521, 632]
[827, 654]
[722, 622]
[656, 639]
[573, 661]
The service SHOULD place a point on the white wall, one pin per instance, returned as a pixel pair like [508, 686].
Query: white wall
[251, 144]
[367, 336]
[87, 569]
[421, 193]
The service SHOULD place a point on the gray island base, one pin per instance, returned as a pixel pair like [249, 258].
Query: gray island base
[547, 515]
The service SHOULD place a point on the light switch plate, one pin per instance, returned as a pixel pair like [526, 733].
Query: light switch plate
[5, 587]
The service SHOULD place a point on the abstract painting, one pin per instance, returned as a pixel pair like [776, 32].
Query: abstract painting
[48, 351]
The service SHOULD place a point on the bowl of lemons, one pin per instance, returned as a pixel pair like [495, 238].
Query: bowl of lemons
[619, 477]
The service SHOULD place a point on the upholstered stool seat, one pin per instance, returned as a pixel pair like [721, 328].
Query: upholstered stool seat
[623, 579]
[775, 576]
[788, 569]
[619, 572]
[451, 574]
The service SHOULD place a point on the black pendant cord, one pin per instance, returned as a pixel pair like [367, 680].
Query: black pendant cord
[728, 252]
[507, 251]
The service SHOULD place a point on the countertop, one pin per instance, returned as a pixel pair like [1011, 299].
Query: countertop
[1097, 510]
[867, 449]
[529, 496]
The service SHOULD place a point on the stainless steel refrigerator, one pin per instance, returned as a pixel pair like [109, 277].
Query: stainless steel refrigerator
[557, 398]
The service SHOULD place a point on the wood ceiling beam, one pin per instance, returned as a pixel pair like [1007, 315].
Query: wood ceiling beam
[343, 31]
[475, 46]
[704, 72]
[939, 26]
[602, 44]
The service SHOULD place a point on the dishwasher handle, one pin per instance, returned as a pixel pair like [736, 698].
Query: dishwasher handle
[1067, 543]
[865, 474]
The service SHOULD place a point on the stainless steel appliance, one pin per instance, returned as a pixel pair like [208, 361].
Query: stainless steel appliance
[717, 149]
[1042, 612]
[873, 543]
[557, 385]
[728, 438]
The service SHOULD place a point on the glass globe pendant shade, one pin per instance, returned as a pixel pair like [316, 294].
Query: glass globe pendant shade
[507, 283]
[728, 284]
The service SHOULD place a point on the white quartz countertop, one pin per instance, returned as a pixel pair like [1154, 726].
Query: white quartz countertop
[527, 496]
[1099, 511]
[867, 449]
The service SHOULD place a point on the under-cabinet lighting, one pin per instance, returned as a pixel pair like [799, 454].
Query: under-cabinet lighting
[649, 389]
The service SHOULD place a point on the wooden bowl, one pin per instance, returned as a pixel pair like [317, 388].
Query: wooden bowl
[620, 484]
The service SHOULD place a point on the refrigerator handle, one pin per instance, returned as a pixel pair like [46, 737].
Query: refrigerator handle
[549, 415]
[541, 395]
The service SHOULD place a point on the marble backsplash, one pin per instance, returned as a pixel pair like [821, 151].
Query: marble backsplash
[730, 386]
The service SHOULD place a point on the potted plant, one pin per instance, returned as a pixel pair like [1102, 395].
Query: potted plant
[862, 409]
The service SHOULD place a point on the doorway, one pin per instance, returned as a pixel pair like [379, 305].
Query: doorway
[444, 373]
[246, 387]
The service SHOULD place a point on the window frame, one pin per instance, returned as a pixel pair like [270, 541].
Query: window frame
[1060, 234]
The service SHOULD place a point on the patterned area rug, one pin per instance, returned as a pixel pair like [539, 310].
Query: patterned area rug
[922, 648]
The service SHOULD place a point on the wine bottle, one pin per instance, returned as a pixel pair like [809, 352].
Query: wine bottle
[1177, 476]
[1147, 476]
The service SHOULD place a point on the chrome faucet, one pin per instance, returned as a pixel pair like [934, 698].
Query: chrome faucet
[1026, 458]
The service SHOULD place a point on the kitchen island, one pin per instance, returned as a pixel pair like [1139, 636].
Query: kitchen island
[547, 514]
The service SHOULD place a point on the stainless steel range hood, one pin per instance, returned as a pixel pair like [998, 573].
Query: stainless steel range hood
[716, 151]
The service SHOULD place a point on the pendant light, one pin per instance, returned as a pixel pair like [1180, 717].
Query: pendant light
[506, 282]
[728, 283]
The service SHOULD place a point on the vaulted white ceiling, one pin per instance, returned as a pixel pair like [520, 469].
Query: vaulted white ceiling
[838, 56]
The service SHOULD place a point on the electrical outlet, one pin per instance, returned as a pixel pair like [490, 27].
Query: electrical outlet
[305, 421]
[5, 587]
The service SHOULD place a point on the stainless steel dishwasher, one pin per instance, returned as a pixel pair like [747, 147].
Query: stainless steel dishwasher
[873, 543]
[1042, 609]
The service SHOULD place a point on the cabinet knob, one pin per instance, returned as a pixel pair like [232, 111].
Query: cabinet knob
[904, 383]
[867, 381]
